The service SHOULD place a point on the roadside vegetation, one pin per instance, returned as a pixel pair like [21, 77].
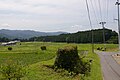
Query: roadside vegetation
[109, 47]
[35, 60]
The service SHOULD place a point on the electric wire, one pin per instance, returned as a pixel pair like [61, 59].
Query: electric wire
[107, 14]
[89, 14]
[94, 11]
[100, 9]
[90, 25]
[97, 9]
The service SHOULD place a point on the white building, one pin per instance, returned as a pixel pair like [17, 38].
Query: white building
[10, 43]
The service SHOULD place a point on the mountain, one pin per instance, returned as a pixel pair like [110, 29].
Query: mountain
[25, 34]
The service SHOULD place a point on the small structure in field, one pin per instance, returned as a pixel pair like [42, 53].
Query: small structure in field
[10, 43]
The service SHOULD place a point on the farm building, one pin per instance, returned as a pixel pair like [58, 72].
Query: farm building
[10, 43]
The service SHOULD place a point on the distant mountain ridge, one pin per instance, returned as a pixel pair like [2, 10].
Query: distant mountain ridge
[25, 34]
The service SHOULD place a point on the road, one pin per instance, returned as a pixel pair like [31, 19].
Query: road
[110, 68]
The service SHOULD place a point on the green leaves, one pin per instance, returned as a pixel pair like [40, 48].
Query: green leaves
[69, 60]
[12, 70]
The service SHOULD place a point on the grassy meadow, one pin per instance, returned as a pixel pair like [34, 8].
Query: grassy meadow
[30, 54]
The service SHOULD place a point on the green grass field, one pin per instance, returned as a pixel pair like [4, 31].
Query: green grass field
[30, 54]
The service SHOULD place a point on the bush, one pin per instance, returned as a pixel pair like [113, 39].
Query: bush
[68, 59]
[104, 49]
[101, 48]
[12, 70]
[43, 47]
[83, 67]
[9, 48]
[98, 48]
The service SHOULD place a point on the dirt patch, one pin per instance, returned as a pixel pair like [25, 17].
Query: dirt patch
[117, 58]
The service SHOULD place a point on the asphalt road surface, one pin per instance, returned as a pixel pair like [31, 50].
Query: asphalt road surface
[110, 68]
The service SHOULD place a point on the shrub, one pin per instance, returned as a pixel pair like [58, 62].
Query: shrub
[83, 67]
[98, 48]
[12, 70]
[68, 59]
[9, 48]
[101, 48]
[43, 47]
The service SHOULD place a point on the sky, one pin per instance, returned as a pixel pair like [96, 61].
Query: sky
[56, 15]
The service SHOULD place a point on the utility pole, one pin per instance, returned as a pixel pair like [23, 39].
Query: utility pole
[103, 23]
[92, 33]
[117, 3]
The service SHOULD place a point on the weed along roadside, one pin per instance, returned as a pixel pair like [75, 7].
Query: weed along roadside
[60, 61]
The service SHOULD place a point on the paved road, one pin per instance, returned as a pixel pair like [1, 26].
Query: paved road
[110, 68]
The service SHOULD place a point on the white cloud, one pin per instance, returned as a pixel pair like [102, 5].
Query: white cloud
[43, 14]
[76, 26]
[40, 6]
[5, 25]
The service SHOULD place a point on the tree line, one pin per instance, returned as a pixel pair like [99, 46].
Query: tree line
[81, 37]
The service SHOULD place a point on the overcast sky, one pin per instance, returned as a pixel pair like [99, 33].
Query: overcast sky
[55, 15]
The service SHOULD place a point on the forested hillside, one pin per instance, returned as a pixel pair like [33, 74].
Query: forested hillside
[81, 37]
[25, 34]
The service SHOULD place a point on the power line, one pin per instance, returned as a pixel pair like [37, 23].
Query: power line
[94, 11]
[90, 25]
[100, 9]
[107, 10]
[97, 10]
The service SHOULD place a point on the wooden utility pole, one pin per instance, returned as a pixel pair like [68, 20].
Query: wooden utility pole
[117, 3]
[92, 34]
[103, 23]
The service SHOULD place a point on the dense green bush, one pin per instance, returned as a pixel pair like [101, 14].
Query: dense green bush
[84, 67]
[12, 70]
[43, 47]
[68, 59]
[98, 48]
[101, 48]
[9, 48]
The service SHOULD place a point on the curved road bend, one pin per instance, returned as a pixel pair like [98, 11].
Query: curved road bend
[110, 68]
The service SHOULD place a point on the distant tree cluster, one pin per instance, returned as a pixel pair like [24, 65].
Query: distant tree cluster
[4, 39]
[81, 37]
